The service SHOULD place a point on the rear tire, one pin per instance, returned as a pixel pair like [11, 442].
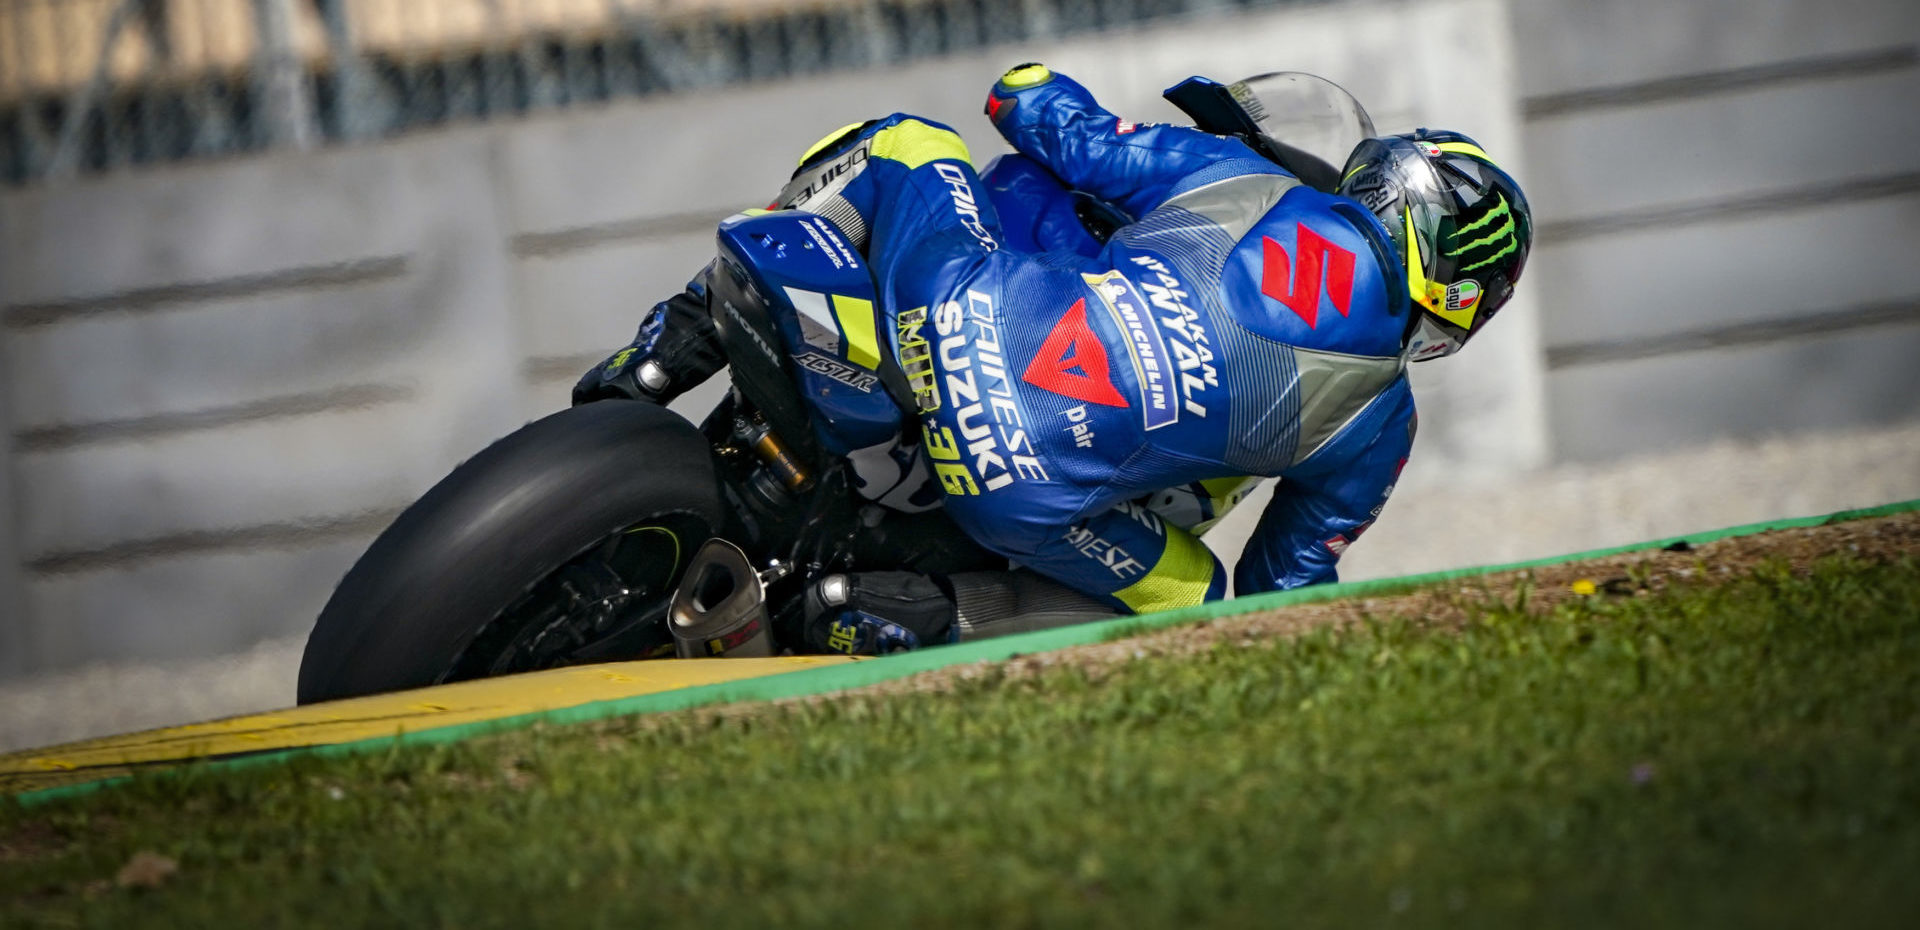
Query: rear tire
[503, 521]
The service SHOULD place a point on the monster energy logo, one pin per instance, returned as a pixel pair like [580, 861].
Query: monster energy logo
[1502, 238]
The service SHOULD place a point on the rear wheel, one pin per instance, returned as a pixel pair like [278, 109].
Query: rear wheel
[559, 544]
[608, 604]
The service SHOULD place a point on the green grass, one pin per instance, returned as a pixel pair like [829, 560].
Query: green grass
[1731, 756]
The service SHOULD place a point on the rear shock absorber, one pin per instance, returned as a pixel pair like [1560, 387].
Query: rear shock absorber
[780, 461]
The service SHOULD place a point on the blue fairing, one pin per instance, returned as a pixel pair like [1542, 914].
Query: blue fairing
[822, 298]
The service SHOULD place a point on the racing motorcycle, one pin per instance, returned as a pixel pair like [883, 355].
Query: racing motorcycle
[618, 530]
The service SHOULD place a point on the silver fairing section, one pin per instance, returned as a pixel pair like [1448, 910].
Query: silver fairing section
[1333, 390]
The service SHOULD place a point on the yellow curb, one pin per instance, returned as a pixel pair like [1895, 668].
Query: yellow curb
[377, 716]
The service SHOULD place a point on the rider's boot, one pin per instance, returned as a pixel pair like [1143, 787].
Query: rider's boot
[874, 613]
[674, 351]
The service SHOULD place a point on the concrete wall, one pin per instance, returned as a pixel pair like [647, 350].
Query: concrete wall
[13, 625]
[223, 379]
[1729, 200]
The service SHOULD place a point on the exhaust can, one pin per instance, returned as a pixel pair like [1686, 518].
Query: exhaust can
[720, 608]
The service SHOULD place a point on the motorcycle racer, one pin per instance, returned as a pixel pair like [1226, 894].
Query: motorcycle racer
[1242, 324]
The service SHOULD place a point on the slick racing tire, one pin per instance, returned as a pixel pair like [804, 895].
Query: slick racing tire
[505, 528]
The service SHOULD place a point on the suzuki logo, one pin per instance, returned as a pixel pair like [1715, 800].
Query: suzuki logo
[1298, 284]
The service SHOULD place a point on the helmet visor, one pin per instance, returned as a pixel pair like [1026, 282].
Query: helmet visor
[1457, 229]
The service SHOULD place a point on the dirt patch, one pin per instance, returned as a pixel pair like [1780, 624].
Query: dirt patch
[31, 840]
[1882, 539]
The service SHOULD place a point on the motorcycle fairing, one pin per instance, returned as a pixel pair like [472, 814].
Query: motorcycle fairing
[816, 299]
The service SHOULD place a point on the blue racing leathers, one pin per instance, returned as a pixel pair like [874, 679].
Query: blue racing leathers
[1242, 325]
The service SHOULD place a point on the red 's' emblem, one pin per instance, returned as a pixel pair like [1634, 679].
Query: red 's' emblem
[1073, 363]
[1299, 287]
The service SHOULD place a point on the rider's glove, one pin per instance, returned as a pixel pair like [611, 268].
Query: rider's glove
[675, 349]
[874, 613]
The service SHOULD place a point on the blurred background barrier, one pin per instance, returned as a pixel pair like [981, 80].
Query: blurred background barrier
[91, 85]
[269, 268]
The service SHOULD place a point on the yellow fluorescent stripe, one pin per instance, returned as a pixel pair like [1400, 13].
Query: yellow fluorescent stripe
[856, 321]
[1467, 148]
[914, 143]
[1460, 318]
[1026, 76]
[1418, 287]
[381, 715]
[1179, 579]
[1222, 488]
[817, 146]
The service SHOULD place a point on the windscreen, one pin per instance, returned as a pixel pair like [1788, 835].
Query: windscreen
[1305, 111]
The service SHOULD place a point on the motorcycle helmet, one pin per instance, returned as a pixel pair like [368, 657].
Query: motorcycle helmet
[1461, 223]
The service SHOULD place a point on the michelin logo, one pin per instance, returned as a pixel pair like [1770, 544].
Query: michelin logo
[1160, 405]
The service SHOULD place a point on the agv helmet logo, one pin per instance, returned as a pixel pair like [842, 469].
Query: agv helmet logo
[1463, 295]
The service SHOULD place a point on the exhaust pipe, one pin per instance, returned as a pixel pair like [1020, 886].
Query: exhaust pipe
[720, 608]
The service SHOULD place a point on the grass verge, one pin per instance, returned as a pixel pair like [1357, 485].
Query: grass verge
[1731, 754]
